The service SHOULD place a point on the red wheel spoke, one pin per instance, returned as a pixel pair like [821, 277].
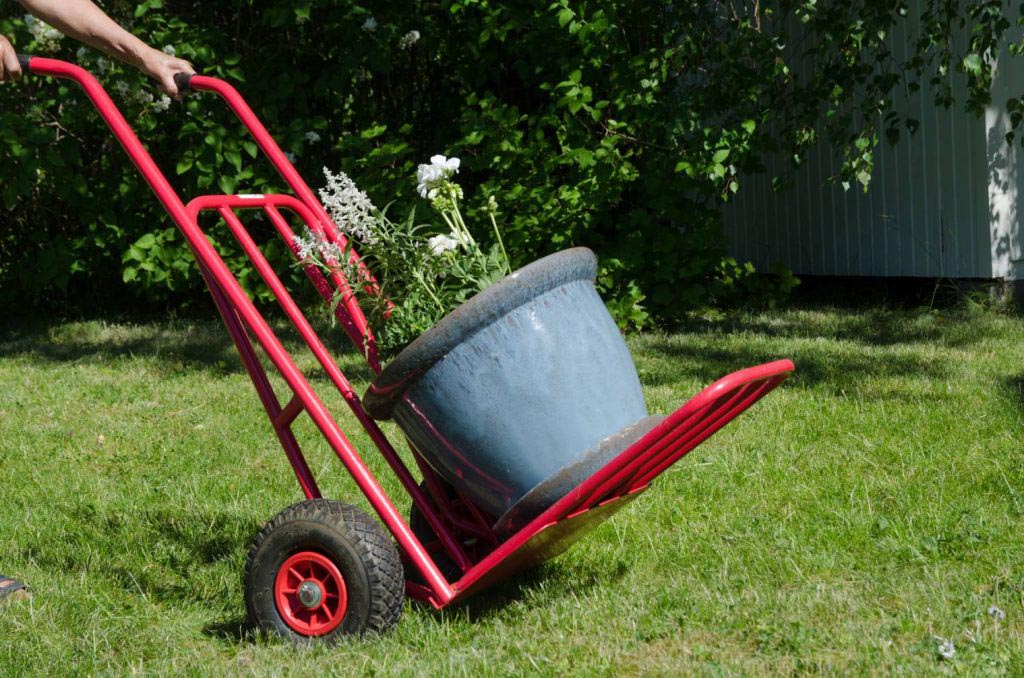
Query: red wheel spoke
[309, 568]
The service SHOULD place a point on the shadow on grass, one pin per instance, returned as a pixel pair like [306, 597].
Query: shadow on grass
[204, 345]
[543, 584]
[476, 609]
[816, 366]
[236, 630]
[868, 326]
[1014, 387]
[548, 578]
[175, 346]
[183, 347]
[157, 553]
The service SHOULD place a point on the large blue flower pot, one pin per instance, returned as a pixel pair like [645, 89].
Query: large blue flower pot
[522, 392]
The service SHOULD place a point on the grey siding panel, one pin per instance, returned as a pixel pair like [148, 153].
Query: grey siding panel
[943, 202]
[925, 215]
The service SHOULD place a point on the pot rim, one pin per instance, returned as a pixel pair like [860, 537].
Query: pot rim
[473, 315]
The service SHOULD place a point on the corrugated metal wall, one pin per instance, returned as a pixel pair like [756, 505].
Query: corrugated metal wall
[931, 210]
[1004, 179]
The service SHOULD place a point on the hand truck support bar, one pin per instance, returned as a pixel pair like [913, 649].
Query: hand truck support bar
[232, 291]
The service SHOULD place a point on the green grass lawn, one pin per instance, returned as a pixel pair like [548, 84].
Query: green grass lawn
[864, 512]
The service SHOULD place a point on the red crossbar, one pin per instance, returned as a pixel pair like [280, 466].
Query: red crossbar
[683, 430]
[631, 471]
[619, 480]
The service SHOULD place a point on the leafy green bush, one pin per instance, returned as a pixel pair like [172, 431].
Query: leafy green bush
[617, 125]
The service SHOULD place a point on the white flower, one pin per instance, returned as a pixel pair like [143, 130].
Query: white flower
[996, 613]
[350, 207]
[449, 165]
[370, 25]
[408, 40]
[312, 137]
[81, 53]
[306, 245]
[331, 252]
[122, 87]
[439, 169]
[46, 36]
[290, 156]
[946, 648]
[162, 104]
[103, 65]
[313, 244]
[169, 49]
[440, 244]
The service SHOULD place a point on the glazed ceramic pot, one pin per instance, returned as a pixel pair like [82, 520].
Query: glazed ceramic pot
[522, 392]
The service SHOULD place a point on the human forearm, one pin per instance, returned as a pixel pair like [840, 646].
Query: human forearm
[84, 21]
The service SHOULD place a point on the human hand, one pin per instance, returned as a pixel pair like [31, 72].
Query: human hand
[10, 69]
[162, 68]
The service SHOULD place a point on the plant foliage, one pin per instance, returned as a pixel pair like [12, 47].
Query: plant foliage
[622, 126]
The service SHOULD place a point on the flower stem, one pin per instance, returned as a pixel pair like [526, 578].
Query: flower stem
[456, 231]
[457, 214]
[501, 244]
[425, 286]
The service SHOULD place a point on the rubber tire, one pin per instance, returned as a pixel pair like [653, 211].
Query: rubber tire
[358, 546]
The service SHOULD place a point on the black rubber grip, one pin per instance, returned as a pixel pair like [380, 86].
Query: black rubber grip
[24, 61]
[183, 82]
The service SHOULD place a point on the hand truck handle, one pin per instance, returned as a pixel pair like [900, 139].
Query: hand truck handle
[184, 82]
[197, 83]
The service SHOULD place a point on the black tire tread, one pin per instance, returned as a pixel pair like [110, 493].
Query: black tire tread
[377, 551]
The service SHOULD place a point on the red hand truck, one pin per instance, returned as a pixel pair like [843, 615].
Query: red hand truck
[322, 569]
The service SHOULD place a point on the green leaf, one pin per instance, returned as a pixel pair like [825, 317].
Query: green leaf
[234, 157]
[227, 184]
[972, 63]
[374, 131]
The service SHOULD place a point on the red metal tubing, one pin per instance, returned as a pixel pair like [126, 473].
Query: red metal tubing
[563, 508]
[270, 205]
[654, 467]
[448, 540]
[247, 311]
[692, 420]
[692, 427]
[264, 389]
[292, 410]
[292, 177]
[324, 288]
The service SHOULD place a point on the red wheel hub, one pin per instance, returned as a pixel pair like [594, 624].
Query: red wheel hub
[310, 594]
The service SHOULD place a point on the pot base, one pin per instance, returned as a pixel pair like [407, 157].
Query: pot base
[547, 492]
